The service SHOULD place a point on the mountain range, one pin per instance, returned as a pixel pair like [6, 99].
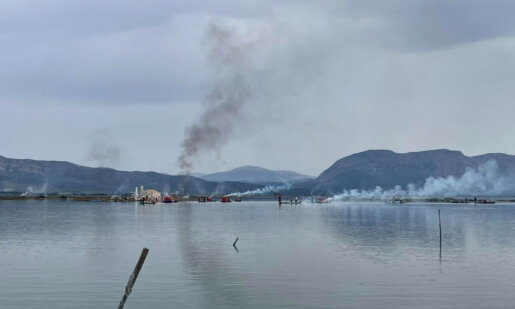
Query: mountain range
[255, 175]
[24, 175]
[363, 171]
[387, 169]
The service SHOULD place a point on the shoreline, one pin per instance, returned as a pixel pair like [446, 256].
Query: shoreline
[194, 198]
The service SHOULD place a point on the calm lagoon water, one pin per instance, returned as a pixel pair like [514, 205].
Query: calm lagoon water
[58, 254]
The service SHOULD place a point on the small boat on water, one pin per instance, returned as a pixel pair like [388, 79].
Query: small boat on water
[170, 199]
[148, 200]
[292, 201]
[205, 199]
[225, 199]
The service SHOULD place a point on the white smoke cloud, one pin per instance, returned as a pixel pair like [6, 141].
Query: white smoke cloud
[262, 191]
[485, 180]
[36, 189]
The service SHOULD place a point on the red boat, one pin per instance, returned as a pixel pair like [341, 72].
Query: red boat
[170, 199]
[225, 199]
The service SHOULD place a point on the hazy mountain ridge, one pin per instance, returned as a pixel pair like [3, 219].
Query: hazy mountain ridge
[387, 169]
[363, 171]
[21, 175]
[255, 175]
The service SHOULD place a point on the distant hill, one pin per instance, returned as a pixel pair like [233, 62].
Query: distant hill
[56, 176]
[255, 175]
[385, 168]
[198, 175]
[364, 170]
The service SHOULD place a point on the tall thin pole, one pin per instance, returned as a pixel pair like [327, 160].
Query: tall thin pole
[133, 277]
[440, 226]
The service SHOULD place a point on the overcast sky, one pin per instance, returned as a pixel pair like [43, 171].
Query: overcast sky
[117, 83]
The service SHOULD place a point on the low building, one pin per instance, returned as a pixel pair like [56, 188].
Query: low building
[149, 193]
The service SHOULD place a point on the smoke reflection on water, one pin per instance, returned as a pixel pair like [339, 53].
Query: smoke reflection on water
[205, 263]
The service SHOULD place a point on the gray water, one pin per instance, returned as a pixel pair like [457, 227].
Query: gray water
[58, 254]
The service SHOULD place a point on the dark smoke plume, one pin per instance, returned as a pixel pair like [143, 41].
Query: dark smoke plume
[104, 151]
[228, 54]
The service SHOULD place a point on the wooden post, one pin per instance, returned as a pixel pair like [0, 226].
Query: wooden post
[133, 277]
[440, 226]
[234, 243]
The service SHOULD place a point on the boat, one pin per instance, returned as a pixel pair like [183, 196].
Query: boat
[149, 201]
[292, 201]
[225, 199]
[170, 199]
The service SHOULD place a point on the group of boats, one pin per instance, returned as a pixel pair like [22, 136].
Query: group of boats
[474, 200]
[453, 201]
[223, 199]
[291, 201]
[167, 199]
[227, 199]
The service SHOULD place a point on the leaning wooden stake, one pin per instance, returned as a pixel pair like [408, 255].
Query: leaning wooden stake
[234, 243]
[440, 225]
[134, 276]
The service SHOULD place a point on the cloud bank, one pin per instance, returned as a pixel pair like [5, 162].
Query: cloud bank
[331, 78]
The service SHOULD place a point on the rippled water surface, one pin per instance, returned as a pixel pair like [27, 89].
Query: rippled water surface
[58, 254]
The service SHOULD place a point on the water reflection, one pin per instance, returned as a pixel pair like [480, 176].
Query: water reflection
[389, 231]
[208, 264]
[339, 255]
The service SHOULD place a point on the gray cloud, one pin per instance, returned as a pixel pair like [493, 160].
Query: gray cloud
[328, 79]
[107, 53]
[428, 25]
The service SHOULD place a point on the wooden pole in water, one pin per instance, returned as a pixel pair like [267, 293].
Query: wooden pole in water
[133, 277]
[440, 226]
[234, 243]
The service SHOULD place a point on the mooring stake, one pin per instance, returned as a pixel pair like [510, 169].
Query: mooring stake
[133, 277]
[234, 243]
[440, 226]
